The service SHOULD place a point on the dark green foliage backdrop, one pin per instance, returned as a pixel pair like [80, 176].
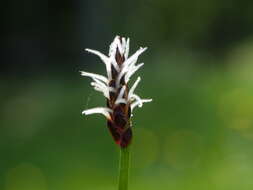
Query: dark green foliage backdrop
[196, 134]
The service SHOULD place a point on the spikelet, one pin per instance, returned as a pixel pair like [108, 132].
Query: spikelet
[119, 98]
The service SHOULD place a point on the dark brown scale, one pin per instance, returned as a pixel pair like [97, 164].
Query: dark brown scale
[119, 124]
[114, 72]
[119, 116]
[125, 95]
[119, 59]
[126, 137]
[115, 134]
[129, 112]
[112, 83]
[122, 80]
[112, 95]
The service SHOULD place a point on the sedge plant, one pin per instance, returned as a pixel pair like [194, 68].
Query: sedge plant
[120, 99]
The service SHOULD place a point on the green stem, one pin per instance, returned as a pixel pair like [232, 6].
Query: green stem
[124, 168]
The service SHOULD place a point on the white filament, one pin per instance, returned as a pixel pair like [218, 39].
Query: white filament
[104, 58]
[121, 74]
[117, 44]
[129, 63]
[95, 76]
[123, 45]
[133, 59]
[132, 71]
[101, 88]
[115, 64]
[137, 103]
[138, 99]
[127, 48]
[131, 91]
[105, 111]
[120, 96]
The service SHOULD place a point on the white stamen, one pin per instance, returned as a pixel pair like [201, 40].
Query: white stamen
[119, 45]
[131, 91]
[146, 100]
[128, 71]
[104, 58]
[121, 74]
[100, 90]
[127, 48]
[116, 44]
[101, 83]
[112, 50]
[132, 71]
[121, 93]
[105, 111]
[101, 87]
[115, 64]
[137, 98]
[133, 59]
[128, 65]
[95, 76]
[125, 69]
[105, 87]
[133, 105]
[123, 45]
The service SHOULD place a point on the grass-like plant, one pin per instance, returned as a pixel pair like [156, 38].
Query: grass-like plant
[120, 100]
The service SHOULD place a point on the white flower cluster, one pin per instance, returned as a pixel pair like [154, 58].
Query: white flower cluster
[126, 70]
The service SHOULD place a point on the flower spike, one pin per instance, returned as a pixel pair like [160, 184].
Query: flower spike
[120, 100]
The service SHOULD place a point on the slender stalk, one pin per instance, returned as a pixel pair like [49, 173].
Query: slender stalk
[124, 168]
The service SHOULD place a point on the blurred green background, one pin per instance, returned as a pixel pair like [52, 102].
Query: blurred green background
[196, 134]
